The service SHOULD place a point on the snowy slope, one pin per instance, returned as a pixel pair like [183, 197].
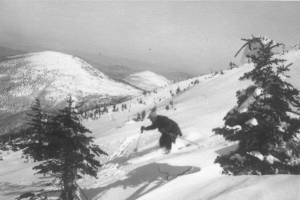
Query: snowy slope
[188, 172]
[147, 80]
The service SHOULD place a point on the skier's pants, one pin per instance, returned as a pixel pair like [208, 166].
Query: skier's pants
[165, 141]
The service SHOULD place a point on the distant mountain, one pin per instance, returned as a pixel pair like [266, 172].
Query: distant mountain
[52, 76]
[147, 80]
[117, 72]
[5, 52]
[177, 75]
[119, 68]
[115, 67]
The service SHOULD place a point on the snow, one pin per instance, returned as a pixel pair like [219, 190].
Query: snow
[147, 80]
[271, 159]
[257, 155]
[228, 188]
[53, 76]
[257, 92]
[188, 172]
[252, 122]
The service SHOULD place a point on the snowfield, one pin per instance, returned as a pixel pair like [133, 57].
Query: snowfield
[188, 172]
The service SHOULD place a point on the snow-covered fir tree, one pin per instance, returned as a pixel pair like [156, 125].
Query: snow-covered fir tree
[265, 122]
[35, 137]
[68, 152]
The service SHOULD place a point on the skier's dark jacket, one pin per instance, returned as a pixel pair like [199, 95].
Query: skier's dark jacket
[166, 126]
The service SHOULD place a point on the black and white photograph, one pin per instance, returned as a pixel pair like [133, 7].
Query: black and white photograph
[149, 100]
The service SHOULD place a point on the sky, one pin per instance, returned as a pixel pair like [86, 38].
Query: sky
[195, 37]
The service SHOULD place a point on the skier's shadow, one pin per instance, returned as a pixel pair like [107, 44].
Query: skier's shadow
[13, 189]
[145, 179]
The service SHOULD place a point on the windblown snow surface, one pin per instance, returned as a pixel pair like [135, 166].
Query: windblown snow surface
[188, 172]
[147, 80]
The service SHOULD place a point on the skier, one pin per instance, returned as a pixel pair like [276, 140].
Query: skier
[169, 129]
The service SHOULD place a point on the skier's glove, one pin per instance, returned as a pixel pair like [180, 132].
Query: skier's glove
[142, 129]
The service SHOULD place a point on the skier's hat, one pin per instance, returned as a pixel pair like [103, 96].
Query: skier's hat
[152, 114]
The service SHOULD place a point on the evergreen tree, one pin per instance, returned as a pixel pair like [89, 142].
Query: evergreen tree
[34, 139]
[167, 107]
[178, 90]
[138, 117]
[69, 152]
[265, 123]
[105, 109]
[232, 65]
[115, 108]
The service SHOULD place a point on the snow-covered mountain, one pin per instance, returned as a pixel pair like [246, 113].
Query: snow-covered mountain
[52, 76]
[147, 80]
[188, 172]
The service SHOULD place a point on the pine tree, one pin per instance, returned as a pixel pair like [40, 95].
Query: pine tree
[34, 139]
[265, 123]
[69, 153]
[178, 90]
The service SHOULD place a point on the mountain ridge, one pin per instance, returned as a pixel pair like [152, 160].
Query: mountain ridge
[51, 77]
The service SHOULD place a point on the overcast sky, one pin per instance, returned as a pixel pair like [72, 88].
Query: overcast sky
[199, 36]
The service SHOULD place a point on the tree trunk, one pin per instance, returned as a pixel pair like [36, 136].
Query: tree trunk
[69, 185]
